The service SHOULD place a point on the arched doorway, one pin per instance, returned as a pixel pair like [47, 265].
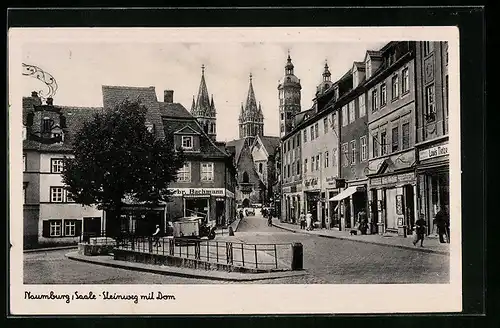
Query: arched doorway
[246, 202]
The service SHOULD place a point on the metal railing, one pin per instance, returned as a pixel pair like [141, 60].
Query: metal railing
[259, 256]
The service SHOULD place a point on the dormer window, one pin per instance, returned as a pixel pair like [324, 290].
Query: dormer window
[150, 128]
[368, 68]
[187, 142]
[46, 124]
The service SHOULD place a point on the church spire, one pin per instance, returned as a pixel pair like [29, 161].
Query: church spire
[251, 104]
[202, 105]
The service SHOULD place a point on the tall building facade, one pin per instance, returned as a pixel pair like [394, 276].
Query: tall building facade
[203, 108]
[432, 112]
[289, 98]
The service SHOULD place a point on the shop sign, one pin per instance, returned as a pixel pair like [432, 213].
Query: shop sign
[433, 152]
[399, 204]
[405, 177]
[311, 182]
[197, 191]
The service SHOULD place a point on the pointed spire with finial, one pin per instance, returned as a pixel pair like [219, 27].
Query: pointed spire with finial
[202, 105]
[289, 66]
[326, 72]
[193, 106]
[251, 104]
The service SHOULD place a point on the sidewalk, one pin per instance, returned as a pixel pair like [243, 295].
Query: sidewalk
[431, 245]
[107, 260]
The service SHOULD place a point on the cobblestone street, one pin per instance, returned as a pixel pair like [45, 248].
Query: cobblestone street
[326, 261]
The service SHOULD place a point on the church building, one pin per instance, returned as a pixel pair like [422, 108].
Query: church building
[254, 154]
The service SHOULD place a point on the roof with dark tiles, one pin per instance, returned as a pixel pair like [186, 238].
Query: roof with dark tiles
[114, 95]
[174, 110]
[75, 118]
[270, 143]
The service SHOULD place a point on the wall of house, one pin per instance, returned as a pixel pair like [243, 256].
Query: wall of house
[219, 175]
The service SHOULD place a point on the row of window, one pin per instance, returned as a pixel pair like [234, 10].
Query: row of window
[379, 101]
[61, 228]
[310, 133]
[60, 195]
[206, 172]
[349, 151]
[315, 163]
[380, 147]
[56, 164]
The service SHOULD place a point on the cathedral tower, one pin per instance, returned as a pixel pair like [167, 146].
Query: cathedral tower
[251, 120]
[289, 98]
[326, 83]
[203, 108]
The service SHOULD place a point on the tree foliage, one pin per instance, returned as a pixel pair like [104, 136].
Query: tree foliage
[116, 156]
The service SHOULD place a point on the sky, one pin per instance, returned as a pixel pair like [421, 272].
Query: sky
[81, 68]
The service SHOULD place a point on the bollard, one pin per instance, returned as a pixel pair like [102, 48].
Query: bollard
[297, 256]
[231, 232]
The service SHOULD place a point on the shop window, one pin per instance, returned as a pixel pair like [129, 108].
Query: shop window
[395, 139]
[383, 95]
[207, 171]
[56, 165]
[187, 142]
[184, 173]
[395, 87]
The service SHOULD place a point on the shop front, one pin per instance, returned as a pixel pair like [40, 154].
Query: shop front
[350, 201]
[433, 181]
[292, 203]
[392, 203]
[333, 187]
[211, 204]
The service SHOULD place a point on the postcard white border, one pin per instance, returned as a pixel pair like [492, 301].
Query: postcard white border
[237, 299]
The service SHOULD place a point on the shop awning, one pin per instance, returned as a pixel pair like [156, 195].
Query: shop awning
[344, 194]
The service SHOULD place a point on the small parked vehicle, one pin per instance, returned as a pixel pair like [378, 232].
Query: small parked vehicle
[193, 227]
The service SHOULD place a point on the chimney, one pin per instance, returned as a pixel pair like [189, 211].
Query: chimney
[34, 94]
[168, 96]
[50, 101]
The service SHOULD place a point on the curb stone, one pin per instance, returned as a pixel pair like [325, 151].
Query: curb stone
[184, 272]
[34, 250]
[424, 250]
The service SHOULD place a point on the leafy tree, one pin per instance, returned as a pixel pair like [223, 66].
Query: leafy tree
[115, 156]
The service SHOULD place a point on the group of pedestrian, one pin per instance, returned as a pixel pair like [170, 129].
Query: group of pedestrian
[305, 221]
[441, 221]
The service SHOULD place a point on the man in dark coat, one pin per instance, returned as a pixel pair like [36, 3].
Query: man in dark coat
[442, 221]
[420, 225]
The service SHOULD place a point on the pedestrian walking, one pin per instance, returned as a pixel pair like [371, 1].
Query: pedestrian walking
[362, 222]
[241, 214]
[156, 236]
[302, 220]
[420, 231]
[309, 221]
[442, 222]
